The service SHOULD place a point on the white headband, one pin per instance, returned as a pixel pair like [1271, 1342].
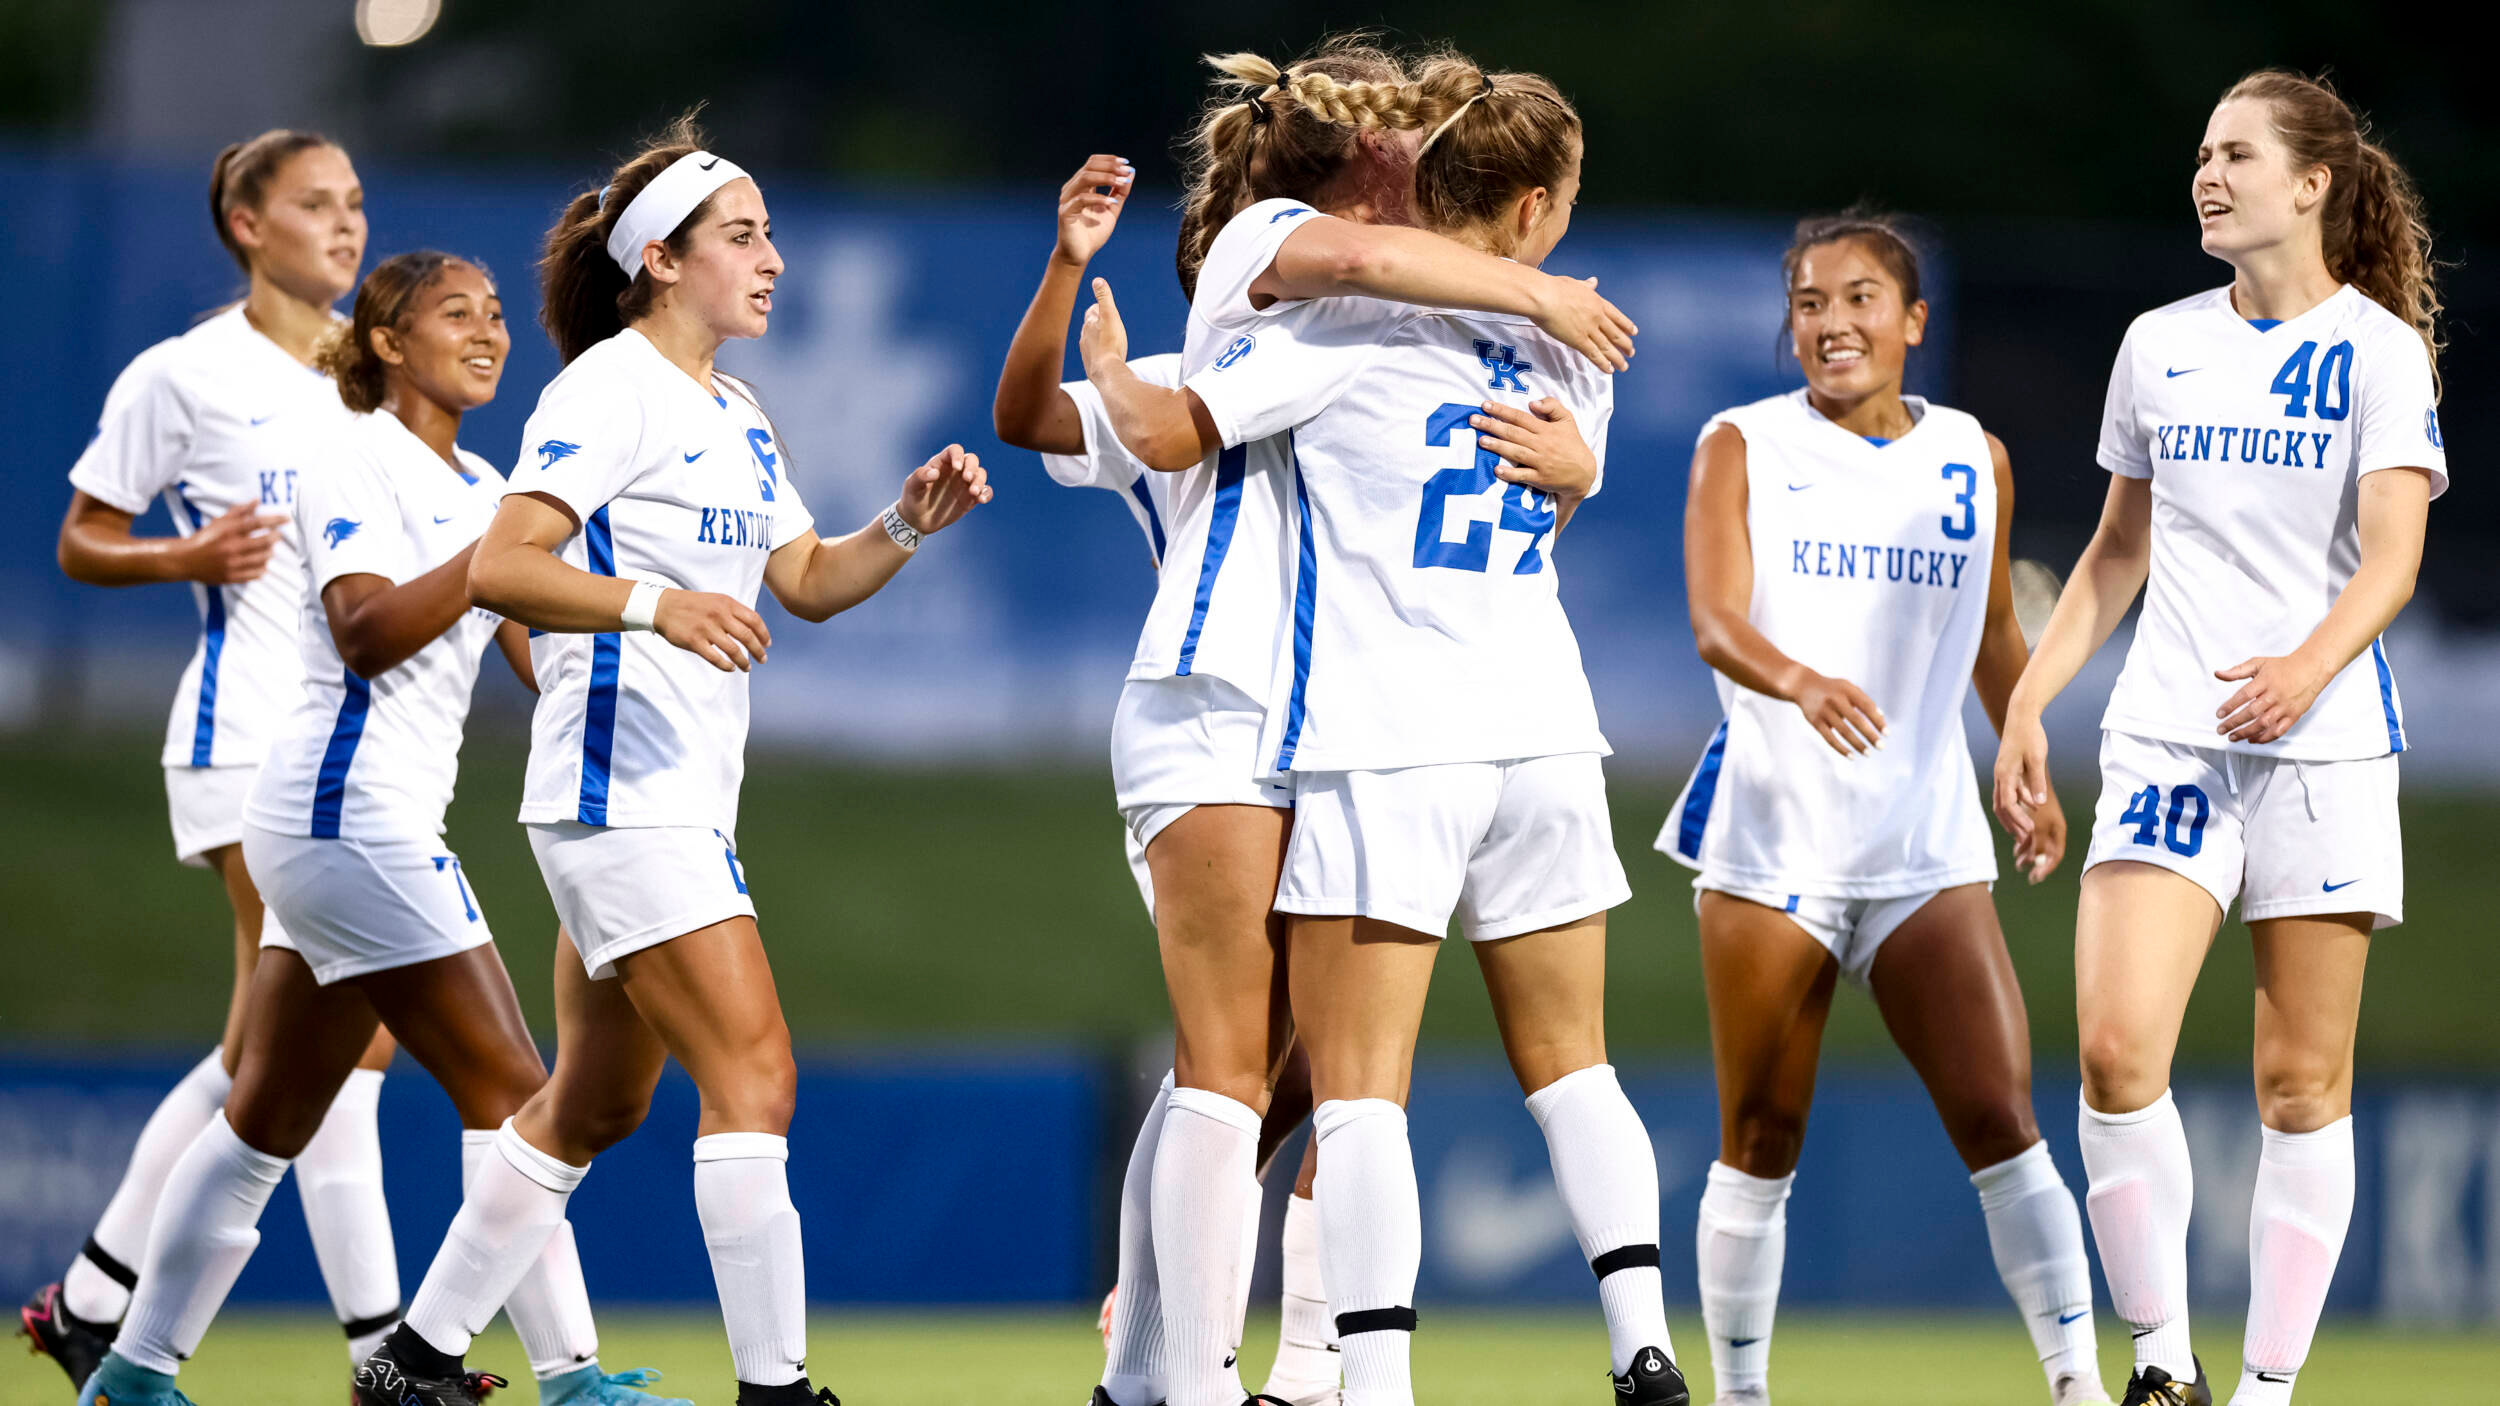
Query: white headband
[663, 205]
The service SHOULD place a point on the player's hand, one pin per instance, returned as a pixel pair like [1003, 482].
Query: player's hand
[942, 490]
[233, 548]
[2024, 802]
[1540, 447]
[1571, 312]
[1089, 205]
[2038, 850]
[2275, 694]
[726, 633]
[1103, 340]
[1842, 713]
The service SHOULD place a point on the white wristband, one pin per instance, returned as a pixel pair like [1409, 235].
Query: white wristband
[643, 605]
[903, 533]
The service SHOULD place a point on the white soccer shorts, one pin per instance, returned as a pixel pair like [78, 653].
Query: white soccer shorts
[1851, 929]
[621, 888]
[1507, 847]
[353, 907]
[206, 806]
[2285, 838]
[1184, 741]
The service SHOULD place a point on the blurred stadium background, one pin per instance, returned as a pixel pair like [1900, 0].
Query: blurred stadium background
[928, 816]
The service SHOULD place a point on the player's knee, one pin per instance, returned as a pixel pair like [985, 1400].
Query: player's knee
[2118, 1074]
[595, 1119]
[2302, 1093]
[758, 1093]
[1765, 1142]
[1991, 1133]
[269, 1127]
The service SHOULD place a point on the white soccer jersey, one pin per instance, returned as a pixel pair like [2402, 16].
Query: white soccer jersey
[215, 417]
[1106, 463]
[1870, 564]
[374, 759]
[671, 485]
[1427, 626]
[2256, 441]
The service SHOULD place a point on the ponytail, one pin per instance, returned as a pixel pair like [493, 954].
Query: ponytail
[1503, 134]
[2375, 236]
[240, 177]
[584, 298]
[386, 298]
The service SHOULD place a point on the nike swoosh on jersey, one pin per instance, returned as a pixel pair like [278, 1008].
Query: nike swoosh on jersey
[2330, 888]
[259, 420]
[690, 458]
[440, 521]
[2174, 373]
[1799, 487]
[707, 165]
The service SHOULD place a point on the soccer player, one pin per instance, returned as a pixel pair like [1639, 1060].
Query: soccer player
[2273, 448]
[344, 830]
[220, 423]
[1846, 572]
[652, 501]
[1434, 717]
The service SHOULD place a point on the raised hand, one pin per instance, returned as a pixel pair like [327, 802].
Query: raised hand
[1089, 206]
[233, 548]
[1104, 340]
[725, 632]
[1843, 713]
[942, 490]
[1540, 447]
[1571, 312]
[2274, 693]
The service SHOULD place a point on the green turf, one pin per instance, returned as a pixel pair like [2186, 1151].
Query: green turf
[996, 903]
[1461, 1359]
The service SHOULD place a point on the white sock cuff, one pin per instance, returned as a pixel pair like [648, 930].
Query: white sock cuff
[1765, 1196]
[1206, 1103]
[1338, 1114]
[211, 1072]
[1541, 1103]
[552, 1173]
[1171, 1079]
[739, 1147]
[362, 1090]
[2026, 1173]
[230, 1148]
[2328, 1146]
[2163, 1108]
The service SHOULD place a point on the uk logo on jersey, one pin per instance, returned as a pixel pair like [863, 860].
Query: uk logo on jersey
[554, 449]
[339, 529]
[1238, 348]
[1505, 365]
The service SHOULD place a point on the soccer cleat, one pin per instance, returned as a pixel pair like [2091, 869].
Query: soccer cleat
[588, 1386]
[1304, 1393]
[73, 1342]
[799, 1393]
[118, 1381]
[1652, 1381]
[383, 1380]
[1103, 1398]
[2151, 1386]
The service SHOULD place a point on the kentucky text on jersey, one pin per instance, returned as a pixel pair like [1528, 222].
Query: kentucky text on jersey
[1873, 561]
[2249, 444]
[736, 527]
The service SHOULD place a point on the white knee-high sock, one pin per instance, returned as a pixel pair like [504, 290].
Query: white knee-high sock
[208, 1222]
[1740, 1243]
[1306, 1348]
[2036, 1236]
[2141, 1189]
[513, 1204]
[742, 1196]
[97, 1286]
[2296, 1225]
[1607, 1173]
[549, 1308]
[1132, 1367]
[339, 1177]
[1253, 1209]
[1371, 1244]
[1204, 1169]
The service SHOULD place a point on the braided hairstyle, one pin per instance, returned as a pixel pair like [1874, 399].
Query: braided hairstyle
[1501, 134]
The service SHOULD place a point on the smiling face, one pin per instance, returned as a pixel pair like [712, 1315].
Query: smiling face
[308, 233]
[725, 279]
[452, 347]
[2249, 194]
[1852, 333]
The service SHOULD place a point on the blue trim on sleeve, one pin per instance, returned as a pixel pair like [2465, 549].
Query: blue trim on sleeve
[599, 709]
[1154, 520]
[212, 646]
[2387, 697]
[1305, 610]
[1696, 816]
[330, 785]
[1229, 468]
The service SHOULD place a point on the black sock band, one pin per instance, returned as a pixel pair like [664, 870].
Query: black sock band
[419, 1358]
[358, 1327]
[114, 1269]
[1376, 1320]
[1624, 1257]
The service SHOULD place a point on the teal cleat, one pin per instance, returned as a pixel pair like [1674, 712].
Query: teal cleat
[117, 1381]
[588, 1386]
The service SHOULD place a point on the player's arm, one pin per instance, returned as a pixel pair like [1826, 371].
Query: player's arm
[379, 625]
[1326, 258]
[514, 572]
[1718, 586]
[816, 579]
[1999, 666]
[1030, 411]
[2274, 693]
[513, 639]
[98, 548]
[1165, 427]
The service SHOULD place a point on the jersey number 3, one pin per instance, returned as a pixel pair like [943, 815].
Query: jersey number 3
[1523, 508]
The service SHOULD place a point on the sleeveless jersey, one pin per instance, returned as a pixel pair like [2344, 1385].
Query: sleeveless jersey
[371, 759]
[674, 486]
[215, 417]
[1872, 565]
[2255, 442]
[1105, 462]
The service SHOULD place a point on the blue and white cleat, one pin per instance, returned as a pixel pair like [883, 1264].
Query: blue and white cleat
[588, 1386]
[118, 1381]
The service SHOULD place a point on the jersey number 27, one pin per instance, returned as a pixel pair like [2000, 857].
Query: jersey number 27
[1523, 508]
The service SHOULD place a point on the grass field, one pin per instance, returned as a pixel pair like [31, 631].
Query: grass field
[954, 905]
[1460, 1360]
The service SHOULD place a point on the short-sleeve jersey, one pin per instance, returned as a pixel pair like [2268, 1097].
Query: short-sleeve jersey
[216, 417]
[2256, 441]
[368, 759]
[673, 484]
[1427, 625]
[1872, 564]
[1107, 464]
